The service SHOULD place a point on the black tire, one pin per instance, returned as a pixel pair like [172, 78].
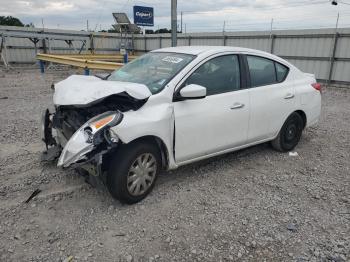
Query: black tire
[121, 163]
[290, 133]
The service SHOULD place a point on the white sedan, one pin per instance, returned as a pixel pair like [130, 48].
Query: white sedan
[175, 106]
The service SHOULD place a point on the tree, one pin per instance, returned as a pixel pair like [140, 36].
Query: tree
[13, 21]
[10, 21]
[162, 31]
[30, 25]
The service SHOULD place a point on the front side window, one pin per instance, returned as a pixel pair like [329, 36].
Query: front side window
[153, 69]
[264, 71]
[218, 75]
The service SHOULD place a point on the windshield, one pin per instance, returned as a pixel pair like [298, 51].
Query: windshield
[154, 70]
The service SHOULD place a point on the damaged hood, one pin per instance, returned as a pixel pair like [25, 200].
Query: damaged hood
[82, 90]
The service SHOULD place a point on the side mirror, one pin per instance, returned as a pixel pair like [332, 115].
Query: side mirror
[192, 91]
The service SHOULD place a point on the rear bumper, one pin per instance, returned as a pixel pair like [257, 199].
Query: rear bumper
[314, 113]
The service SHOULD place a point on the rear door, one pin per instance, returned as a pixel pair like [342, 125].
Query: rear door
[272, 97]
[220, 120]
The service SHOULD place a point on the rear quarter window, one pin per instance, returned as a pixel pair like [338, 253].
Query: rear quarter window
[281, 71]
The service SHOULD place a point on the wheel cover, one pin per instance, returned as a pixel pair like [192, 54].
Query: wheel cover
[141, 174]
[292, 133]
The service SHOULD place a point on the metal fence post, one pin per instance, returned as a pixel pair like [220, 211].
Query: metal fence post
[126, 58]
[160, 41]
[92, 48]
[225, 38]
[44, 45]
[42, 66]
[3, 52]
[189, 40]
[145, 43]
[272, 43]
[1, 48]
[332, 58]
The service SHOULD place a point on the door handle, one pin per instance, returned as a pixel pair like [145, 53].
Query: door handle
[289, 96]
[237, 106]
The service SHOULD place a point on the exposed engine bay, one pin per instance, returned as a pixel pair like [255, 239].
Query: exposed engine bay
[70, 118]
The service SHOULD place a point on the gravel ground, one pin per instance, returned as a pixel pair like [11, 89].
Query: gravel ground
[251, 205]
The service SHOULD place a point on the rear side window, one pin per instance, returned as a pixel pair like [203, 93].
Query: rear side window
[264, 71]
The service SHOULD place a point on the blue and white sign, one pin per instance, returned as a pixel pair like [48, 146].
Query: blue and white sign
[143, 16]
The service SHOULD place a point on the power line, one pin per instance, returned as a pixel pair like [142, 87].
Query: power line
[270, 7]
[277, 20]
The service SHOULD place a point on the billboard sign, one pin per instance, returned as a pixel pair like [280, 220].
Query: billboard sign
[143, 16]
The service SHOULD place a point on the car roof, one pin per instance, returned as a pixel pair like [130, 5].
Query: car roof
[210, 50]
[196, 50]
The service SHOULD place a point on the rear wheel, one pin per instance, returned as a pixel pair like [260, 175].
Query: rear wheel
[290, 133]
[133, 171]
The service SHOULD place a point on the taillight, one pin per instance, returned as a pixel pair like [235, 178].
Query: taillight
[317, 86]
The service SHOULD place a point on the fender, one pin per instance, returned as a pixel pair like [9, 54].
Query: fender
[157, 121]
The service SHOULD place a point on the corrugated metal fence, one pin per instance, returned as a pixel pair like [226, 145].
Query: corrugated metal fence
[324, 52]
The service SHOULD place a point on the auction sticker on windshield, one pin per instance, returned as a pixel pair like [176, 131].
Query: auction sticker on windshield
[172, 59]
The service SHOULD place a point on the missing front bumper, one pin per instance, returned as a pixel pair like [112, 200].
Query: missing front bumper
[91, 139]
[80, 150]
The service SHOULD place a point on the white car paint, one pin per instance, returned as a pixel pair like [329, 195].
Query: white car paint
[205, 127]
[82, 90]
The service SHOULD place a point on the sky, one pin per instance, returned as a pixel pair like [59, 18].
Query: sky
[198, 16]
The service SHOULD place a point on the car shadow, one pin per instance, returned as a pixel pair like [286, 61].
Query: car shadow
[213, 163]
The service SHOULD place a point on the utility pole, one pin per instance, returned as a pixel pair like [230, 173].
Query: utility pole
[181, 22]
[87, 25]
[336, 24]
[332, 56]
[271, 27]
[173, 22]
[271, 37]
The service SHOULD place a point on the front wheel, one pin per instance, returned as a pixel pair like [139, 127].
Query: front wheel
[133, 171]
[290, 133]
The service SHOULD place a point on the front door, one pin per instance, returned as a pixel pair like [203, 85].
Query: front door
[220, 120]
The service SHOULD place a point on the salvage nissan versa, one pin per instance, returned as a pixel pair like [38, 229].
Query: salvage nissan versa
[174, 106]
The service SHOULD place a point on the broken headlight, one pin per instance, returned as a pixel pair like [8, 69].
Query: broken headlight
[88, 136]
[94, 127]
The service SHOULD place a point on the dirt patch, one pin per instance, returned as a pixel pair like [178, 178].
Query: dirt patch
[251, 205]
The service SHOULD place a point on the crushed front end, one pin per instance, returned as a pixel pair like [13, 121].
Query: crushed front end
[77, 143]
[78, 132]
